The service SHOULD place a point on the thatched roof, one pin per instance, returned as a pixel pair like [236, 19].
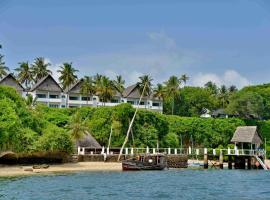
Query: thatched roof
[134, 92]
[88, 141]
[247, 134]
[75, 88]
[47, 83]
[10, 80]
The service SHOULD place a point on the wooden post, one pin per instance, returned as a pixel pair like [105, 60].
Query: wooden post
[205, 159]
[229, 162]
[249, 163]
[221, 159]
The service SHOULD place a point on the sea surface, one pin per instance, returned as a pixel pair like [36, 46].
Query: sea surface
[168, 184]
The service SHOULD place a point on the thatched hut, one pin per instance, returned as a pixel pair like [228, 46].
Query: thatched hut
[247, 136]
[88, 141]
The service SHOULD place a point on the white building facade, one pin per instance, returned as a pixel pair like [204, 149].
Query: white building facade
[47, 91]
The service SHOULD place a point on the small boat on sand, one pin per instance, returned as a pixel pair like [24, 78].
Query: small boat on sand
[145, 162]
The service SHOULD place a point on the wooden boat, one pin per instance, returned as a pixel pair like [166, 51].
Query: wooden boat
[145, 162]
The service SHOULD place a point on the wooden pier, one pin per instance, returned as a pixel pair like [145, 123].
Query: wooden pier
[236, 158]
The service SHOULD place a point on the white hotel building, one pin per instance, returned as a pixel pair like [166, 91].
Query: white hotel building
[49, 92]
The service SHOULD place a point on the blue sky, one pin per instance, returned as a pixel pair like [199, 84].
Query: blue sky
[224, 41]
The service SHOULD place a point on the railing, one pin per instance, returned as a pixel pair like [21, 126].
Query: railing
[171, 151]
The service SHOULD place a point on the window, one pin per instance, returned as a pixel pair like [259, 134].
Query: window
[54, 106]
[142, 103]
[73, 106]
[73, 98]
[155, 104]
[54, 96]
[114, 101]
[85, 98]
[63, 106]
[131, 102]
[41, 96]
[63, 96]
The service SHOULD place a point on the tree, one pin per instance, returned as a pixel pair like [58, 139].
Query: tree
[159, 91]
[172, 89]
[25, 75]
[232, 89]
[88, 87]
[119, 84]
[223, 96]
[67, 75]
[31, 101]
[40, 69]
[212, 87]
[105, 89]
[77, 127]
[247, 105]
[145, 85]
[184, 78]
[3, 68]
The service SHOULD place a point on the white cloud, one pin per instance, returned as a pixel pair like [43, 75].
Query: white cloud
[162, 39]
[230, 77]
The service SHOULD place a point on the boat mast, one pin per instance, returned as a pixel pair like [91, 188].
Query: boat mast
[131, 123]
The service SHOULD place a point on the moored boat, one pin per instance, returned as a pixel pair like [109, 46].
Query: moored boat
[145, 162]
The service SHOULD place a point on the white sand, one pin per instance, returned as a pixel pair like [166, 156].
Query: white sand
[70, 167]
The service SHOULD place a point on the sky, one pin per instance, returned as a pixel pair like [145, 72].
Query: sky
[227, 41]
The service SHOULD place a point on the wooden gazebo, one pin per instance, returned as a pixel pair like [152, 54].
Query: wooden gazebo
[247, 136]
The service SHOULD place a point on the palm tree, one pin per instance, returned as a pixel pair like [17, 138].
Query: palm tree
[3, 67]
[25, 75]
[40, 69]
[88, 87]
[105, 89]
[119, 84]
[77, 127]
[145, 84]
[212, 87]
[172, 87]
[159, 91]
[184, 78]
[232, 89]
[223, 96]
[67, 75]
[31, 101]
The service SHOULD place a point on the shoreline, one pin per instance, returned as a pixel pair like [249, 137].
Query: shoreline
[27, 170]
[13, 171]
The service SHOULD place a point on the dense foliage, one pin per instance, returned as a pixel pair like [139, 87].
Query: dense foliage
[24, 129]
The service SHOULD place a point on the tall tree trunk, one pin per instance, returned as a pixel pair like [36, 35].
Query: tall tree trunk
[130, 125]
[172, 105]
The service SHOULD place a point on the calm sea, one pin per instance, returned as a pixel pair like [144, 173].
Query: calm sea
[168, 184]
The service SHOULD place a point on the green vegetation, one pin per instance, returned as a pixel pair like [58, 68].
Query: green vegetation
[27, 129]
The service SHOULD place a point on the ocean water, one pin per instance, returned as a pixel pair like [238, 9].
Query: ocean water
[168, 184]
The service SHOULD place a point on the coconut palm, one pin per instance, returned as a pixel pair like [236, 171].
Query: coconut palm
[232, 89]
[172, 87]
[184, 78]
[105, 89]
[223, 96]
[88, 87]
[77, 127]
[40, 69]
[119, 83]
[3, 68]
[67, 75]
[212, 87]
[31, 101]
[25, 75]
[145, 85]
[159, 91]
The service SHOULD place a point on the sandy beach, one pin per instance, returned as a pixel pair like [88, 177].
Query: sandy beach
[7, 171]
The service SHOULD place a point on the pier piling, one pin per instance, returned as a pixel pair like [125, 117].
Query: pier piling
[221, 160]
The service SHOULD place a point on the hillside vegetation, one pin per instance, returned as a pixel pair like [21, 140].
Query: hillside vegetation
[27, 129]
